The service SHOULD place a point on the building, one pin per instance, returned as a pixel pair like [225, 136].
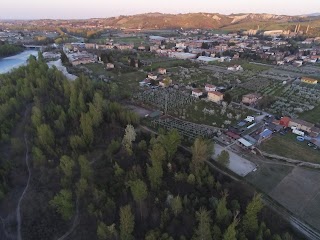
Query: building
[162, 71]
[152, 76]
[204, 59]
[251, 98]
[210, 88]
[110, 66]
[196, 93]
[235, 68]
[301, 125]
[309, 80]
[314, 132]
[181, 55]
[244, 143]
[215, 96]
[284, 121]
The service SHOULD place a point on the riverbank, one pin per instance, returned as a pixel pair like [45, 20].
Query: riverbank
[9, 63]
[63, 69]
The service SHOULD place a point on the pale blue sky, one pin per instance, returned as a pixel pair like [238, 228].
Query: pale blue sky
[32, 9]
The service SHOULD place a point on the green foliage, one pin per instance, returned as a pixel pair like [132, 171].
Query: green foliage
[250, 219]
[126, 223]
[9, 50]
[231, 233]
[221, 210]
[170, 142]
[38, 157]
[203, 231]
[128, 138]
[223, 158]
[201, 150]
[155, 171]
[63, 203]
[86, 125]
[46, 138]
[86, 171]
[176, 205]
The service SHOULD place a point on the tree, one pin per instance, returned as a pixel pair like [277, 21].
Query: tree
[155, 171]
[63, 203]
[67, 165]
[128, 138]
[126, 223]
[85, 168]
[46, 138]
[102, 231]
[227, 97]
[86, 127]
[221, 210]
[139, 192]
[250, 220]
[201, 150]
[231, 233]
[81, 186]
[170, 142]
[203, 231]
[38, 157]
[223, 158]
[176, 205]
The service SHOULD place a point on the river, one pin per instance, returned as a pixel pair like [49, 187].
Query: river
[8, 63]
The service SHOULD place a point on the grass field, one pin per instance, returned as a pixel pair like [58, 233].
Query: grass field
[268, 176]
[312, 116]
[288, 146]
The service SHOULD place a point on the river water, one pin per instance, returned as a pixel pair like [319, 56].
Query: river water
[9, 63]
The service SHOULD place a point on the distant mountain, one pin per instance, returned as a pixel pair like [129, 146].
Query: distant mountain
[312, 15]
[193, 20]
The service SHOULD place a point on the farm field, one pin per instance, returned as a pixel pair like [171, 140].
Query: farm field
[288, 146]
[312, 116]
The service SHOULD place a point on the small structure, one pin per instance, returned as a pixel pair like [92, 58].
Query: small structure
[309, 80]
[265, 134]
[244, 143]
[162, 71]
[152, 76]
[210, 88]
[301, 125]
[215, 96]
[249, 119]
[235, 68]
[110, 66]
[251, 98]
[196, 93]
[284, 121]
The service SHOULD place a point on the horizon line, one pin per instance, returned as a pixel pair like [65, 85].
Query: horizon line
[144, 13]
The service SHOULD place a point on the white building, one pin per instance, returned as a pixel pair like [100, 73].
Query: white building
[210, 88]
[196, 93]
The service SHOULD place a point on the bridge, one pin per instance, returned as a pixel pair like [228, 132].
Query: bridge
[33, 46]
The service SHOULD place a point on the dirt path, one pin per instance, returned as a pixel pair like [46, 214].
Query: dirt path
[24, 191]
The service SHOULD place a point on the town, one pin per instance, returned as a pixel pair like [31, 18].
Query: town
[255, 93]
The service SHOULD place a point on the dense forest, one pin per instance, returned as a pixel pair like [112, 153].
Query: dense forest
[95, 174]
[7, 49]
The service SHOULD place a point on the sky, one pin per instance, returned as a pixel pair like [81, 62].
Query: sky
[76, 9]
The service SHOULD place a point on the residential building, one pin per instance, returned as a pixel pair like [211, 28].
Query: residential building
[110, 66]
[251, 98]
[196, 93]
[210, 88]
[235, 68]
[284, 121]
[215, 96]
[301, 125]
[162, 71]
[309, 80]
[152, 76]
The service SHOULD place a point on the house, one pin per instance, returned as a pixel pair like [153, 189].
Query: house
[251, 98]
[244, 143]
[141, 48]
[215, 96]
[152, 76]
[301, 125]
[210, 88]
[265, 134]
[196, 93]
[110, 66]
[284, 121]
[162, 71]
[235, 68]
[232, 135]
[309, 80]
